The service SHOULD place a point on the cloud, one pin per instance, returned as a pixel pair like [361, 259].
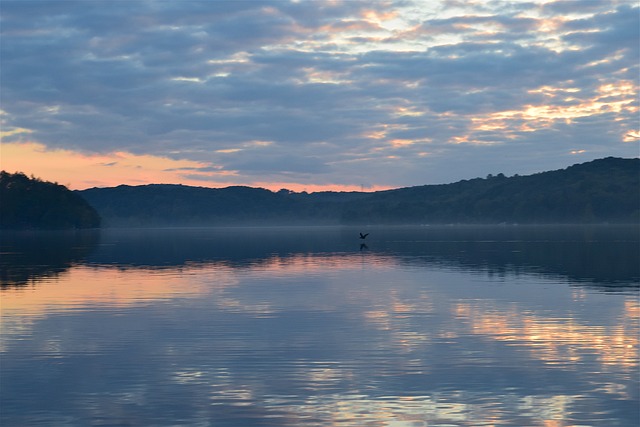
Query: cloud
[348, 93]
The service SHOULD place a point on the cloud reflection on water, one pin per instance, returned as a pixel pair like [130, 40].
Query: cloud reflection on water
[297, 338]
[556, 340]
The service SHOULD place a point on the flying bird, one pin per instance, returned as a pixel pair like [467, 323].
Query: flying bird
[363, 236]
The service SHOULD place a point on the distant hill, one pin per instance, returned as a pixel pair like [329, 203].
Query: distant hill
[605, 190]
[30, 203]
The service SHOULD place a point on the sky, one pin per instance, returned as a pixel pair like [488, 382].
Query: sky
[314, 95]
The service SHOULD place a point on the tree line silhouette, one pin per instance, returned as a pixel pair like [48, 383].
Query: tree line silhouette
[605, 190]
[31, 203]
[601, 191]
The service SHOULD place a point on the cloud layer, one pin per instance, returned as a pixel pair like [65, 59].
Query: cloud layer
[387, 93]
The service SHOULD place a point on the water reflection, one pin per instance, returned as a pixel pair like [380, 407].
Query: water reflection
[304, 329]
[557, 340]
[89, 287]
[601, 256]
[604, 256]
[30, 255]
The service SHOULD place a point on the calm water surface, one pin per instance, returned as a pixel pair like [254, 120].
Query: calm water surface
[506, 326]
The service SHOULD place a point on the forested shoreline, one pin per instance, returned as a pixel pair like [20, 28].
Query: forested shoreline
[31, 203]
[601, 191]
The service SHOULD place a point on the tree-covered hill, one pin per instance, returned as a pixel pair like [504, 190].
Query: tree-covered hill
[168, 205]
[605, 190]
[30, 203]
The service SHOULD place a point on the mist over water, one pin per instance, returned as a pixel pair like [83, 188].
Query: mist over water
[303, 326]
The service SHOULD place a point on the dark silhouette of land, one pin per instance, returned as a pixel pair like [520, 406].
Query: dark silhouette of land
[31, 203]
[600, 191]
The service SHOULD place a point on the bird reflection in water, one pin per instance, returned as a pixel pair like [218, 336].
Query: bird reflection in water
[363, 246]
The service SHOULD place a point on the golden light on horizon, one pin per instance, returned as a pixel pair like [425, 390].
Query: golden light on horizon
[311, 188]
[79, 171]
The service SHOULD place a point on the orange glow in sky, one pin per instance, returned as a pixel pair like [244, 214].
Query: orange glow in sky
[79, 171]
[366, 96]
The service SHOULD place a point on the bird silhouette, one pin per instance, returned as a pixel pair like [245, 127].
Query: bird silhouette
[363, 236]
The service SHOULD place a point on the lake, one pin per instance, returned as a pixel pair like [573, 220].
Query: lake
[412, 327]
